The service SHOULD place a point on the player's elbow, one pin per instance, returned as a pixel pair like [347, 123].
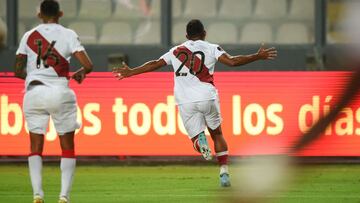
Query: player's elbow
[232, 63]
[228, 60]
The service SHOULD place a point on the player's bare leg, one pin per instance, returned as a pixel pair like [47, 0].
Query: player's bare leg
[201, 145]
[222, 154]
[35, 166]
[67, 165]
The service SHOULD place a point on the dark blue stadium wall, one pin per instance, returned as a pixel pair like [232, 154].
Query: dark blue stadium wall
[290, 57]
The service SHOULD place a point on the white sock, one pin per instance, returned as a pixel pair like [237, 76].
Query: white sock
[35, 169]
[224, 169]
[67, 166]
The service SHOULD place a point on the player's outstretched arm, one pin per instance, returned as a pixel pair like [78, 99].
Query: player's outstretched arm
[262, 54]
[125, 71]
[86, 68]
[20, 66]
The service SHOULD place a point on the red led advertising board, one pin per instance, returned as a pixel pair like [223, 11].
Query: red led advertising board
[263, 113]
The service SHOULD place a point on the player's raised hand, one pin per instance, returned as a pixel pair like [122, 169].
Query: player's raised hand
[122, 72]
[79, 75]
[267, 53]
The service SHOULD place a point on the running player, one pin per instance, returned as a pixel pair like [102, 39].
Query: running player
[195, 92]
[42, 60]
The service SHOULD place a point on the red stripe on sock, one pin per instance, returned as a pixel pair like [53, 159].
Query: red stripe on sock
[35, 154]
[68, 154]
[222, 160]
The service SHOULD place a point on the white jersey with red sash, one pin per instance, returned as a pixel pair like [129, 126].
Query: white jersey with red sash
[49, 48]
[194, 63]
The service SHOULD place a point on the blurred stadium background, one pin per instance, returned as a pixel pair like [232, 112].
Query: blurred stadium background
[306, 32]
[309, 74]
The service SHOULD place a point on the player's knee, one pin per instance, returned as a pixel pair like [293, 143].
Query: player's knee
[215, 132]
[217, 136]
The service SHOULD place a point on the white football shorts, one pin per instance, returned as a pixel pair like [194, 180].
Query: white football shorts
[199, 115]
[41, 102]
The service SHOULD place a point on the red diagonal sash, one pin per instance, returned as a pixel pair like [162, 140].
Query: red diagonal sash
[62, 68]
[204, 75]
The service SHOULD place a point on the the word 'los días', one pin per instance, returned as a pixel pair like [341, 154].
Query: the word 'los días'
[163, 119]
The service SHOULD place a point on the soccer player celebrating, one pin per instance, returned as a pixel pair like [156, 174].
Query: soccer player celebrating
[42, 60]
[195, 92]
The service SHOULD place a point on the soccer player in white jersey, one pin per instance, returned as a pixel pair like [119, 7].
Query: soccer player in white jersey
[42, 60]
[195, 93]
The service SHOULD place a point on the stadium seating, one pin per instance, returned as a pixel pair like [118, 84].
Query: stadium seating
[270, 9]
[148, 33]
[177, 8]
[2, 8]
[128, 10]
[254, 33]
[95, 9]
[234, 12]
[201, 9]
[235, 9]
[336, 37]
[155, 9]
[340, 29]
[302, 9]
[86, 31]
[69, 7]
[293, 33]
[28, 8]
[179, 32]
[132, 9]
[222, 33]
[335, 9]
[116, 33]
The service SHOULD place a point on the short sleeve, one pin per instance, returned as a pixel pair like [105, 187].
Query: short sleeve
[167, 58]
[75, 44]
[22, 45]
[218, 51]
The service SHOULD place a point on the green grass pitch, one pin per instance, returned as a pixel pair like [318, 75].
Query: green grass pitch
[193, 184]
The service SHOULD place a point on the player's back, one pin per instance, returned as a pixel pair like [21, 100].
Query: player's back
[49, 48]
[194, 64]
